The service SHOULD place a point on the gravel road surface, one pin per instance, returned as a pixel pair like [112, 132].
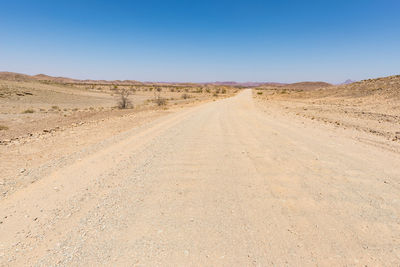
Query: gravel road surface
[220, 184]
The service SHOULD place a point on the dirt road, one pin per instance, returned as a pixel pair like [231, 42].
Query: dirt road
[223, 183]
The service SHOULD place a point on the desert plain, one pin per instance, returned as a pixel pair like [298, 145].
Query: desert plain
[199, 174]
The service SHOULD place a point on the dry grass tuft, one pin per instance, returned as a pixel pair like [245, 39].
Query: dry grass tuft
[185, 96]
[28, 111]
[3, 128]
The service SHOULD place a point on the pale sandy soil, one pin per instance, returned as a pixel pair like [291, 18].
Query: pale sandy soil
[28, 108]
[371, 106]
[235, 182]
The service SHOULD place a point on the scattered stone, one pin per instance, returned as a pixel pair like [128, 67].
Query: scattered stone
[397, 136]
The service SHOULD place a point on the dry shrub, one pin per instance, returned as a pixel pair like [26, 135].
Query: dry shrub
[28, 111]
[160, 101]
[124, 102]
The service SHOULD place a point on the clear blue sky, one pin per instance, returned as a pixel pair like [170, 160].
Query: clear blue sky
[280, 40]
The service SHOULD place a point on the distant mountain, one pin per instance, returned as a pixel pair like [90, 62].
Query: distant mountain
[297, 86]
[47, 78]
[246, 84]
[307, 85]
[12, 76]
[64, 80]
[348, 81]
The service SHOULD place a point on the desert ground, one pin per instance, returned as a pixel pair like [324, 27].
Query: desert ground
[305, 174]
